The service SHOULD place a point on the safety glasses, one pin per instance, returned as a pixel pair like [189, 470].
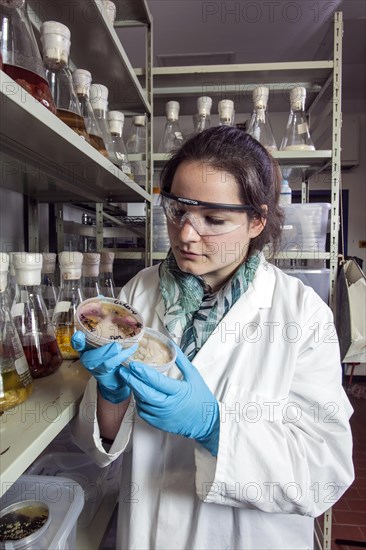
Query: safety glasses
[207, 218]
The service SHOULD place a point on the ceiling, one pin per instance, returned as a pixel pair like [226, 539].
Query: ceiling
[244, 31]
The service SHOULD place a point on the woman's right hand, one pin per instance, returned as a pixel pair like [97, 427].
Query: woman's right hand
[104, 363]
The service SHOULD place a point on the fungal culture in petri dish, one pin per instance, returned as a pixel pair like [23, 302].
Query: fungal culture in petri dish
[22, 519]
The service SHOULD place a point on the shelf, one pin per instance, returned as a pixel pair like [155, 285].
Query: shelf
[43, 157]
[96, 47]
[236, 82]
[26, 430]
[130, 14]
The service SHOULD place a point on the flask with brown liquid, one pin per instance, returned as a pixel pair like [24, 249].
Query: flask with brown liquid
[21, 59]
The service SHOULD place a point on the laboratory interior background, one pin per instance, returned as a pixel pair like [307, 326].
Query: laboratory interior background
[154, 61]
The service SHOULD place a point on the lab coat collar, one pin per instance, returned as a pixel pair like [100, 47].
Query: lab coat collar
[245, 311]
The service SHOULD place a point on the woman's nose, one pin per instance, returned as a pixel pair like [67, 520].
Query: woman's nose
[187, 231]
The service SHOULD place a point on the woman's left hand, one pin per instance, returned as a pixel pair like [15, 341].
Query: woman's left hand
[185, 407]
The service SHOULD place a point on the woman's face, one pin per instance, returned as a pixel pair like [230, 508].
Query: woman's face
[213, 257]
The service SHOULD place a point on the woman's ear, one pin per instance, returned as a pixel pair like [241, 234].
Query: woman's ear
[257, 224]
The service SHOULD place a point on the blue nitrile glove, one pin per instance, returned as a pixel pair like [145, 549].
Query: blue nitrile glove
[104, 363]
[186, 407]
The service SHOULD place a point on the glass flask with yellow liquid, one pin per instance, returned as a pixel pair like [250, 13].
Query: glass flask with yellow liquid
[15, 377]
[70, 296]
[55, 39]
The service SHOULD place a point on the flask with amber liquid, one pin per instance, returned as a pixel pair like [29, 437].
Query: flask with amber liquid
[15, 377]
[70, 296]
[55, 39]
[31, 319]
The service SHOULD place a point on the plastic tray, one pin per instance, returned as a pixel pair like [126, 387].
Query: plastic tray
[305, 227]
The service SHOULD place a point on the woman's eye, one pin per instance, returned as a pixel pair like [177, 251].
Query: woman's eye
[215, 221]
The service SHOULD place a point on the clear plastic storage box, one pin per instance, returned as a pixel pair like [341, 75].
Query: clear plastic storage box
[96, 482]
[64, 499]
[305, 227]
[318, 279]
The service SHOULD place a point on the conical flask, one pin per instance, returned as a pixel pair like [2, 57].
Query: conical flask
[297, 134]
[116, 121]
[15, 377]
[12, 288]
[31, 317]
[260, 126]
[136, 144]
[48, 285]
[70, 296]
[172, 137]
[55, 39]
[20, 54]
[203, 120]
[106, 282]
[90, 275]
[226, 112]
[98, 94]
[82, 81]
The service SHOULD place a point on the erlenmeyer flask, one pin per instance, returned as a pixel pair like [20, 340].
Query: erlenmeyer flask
[260, 126]
[226, 112]
[116, 121]
[20, 54]
[98, 94]
[48, 286]
[82, 81]
[15, 377]
[70, 296]
[12, 288]
[55, 38]
[297, 134]
[172, 137]
[203, 120]
[136, 144]
[31, 317]
[106, 282]
[90, 275]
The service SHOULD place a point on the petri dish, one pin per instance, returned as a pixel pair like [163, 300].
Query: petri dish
[23, 523]
[105, 320]
[156, 350]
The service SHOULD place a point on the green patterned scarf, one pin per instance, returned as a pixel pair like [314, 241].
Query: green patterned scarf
[191, 311]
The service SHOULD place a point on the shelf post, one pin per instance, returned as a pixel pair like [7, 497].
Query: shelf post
[99, 226]
[32, 224]
[149, 146]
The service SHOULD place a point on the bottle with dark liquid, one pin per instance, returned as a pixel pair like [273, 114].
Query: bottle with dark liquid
[82, 81]
[20, 55]
[55, 38]
[30, 317]
[15, 378]
[70, 296]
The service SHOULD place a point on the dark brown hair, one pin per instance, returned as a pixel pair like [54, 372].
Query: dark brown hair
[258, 174]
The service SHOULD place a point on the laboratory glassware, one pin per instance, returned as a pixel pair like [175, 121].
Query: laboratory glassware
[20, 53]
[15, 378]
[31, 317]
[90, 275]
[116, 121]
[98, 94]
[55, 39]
[136, 144]
[70, 296]
[106, 281]
[203, 120]
[82, 82]
[172, 137]
[260, 126]
[297, 134]
[226, 112]
[48, 284]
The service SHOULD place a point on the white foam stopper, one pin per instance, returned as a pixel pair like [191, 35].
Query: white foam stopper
[260, 97]
[116, 120]
[55, 39]
[70, 264]
[98, 94]
[90, 267]
[204, 105]
[139, 120]
[4, 266]
[106, 262]
[110, 10]
[172, 110]
[297, 98]
[82, 81]
[226, 108]
[49, 262]
[28, 267]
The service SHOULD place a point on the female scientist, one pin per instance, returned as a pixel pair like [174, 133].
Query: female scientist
[247, 439]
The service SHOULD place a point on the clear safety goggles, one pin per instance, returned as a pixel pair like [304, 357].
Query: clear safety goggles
[207, 218]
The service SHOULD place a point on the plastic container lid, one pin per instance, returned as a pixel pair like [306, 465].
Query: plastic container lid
[156, 350]
[28, 267]
[105, 320]
[64, 499]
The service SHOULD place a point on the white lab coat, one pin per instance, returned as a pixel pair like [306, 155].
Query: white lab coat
[285, 441]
